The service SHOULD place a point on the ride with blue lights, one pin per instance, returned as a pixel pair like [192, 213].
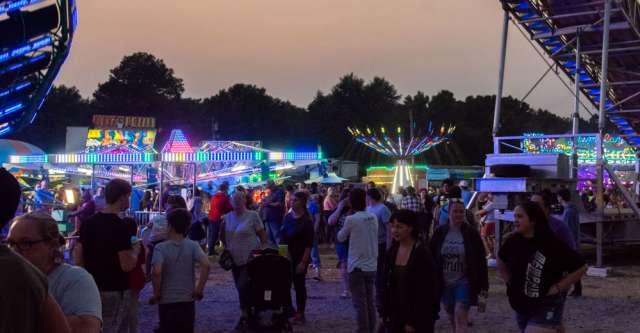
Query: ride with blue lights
[35, 39]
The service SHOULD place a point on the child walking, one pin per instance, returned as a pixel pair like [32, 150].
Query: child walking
[174, 280]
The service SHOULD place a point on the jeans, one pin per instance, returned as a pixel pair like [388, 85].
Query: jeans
[241, 280]
[132, 318]
[361, 286]
[299, 285]
[213, 232]
[274, 231]
[177, 317]
[315, 255]
[115, 310]
[382, 249]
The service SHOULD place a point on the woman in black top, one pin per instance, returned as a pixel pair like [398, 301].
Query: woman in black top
[409, 284]
[538, 270]
[297, 233]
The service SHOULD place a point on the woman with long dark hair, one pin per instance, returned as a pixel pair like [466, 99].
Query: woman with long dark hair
[538, 269]
[297, 234]
[409, 283]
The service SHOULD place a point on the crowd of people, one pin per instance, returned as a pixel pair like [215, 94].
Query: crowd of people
[402, 257]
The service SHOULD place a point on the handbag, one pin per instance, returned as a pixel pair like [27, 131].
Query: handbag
[225, 260]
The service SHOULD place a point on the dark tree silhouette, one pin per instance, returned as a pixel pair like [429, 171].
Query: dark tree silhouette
[63, 107]
[141, 85]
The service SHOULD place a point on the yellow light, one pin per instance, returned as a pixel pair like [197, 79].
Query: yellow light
[70, 196]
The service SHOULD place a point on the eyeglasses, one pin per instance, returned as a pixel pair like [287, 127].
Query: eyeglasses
[25, 245]
[458, 200]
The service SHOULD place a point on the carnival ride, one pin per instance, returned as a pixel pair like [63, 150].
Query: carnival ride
[177, 163]
[35, 39]
[596, 46]
[401, 148]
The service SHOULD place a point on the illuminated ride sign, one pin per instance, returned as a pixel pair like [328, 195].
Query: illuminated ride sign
[616, 150]
[120, 139]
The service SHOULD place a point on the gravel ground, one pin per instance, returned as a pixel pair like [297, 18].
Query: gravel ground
[608, 305]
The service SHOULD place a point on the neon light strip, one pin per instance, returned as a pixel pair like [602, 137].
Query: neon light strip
[164, 157]
[26, 48]
[15, 5]
[5, 130]
[11, 109]
[15, 88]
[21, 64]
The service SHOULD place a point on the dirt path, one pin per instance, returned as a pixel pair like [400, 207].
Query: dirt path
[608, 305]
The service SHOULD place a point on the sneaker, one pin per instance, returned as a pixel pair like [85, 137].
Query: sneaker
[299, 319]
[316, 274]
[345, 294]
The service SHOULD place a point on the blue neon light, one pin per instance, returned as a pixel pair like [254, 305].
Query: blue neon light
[20, 64]
[11, 109]
[5, 130]
[26, 48]
[15, 5]
[14, 89]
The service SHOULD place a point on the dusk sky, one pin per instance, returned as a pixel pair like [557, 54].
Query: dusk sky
[294, 48]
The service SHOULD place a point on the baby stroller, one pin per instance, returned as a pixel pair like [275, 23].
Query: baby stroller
[269, 292]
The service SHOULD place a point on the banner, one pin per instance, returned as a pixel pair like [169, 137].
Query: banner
[108, 121]
[136, 140]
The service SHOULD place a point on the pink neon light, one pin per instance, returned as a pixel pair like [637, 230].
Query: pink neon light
[178, 143]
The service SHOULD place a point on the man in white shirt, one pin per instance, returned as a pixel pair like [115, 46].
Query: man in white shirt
[361, 229]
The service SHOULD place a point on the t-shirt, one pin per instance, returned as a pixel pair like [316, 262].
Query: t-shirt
[274, 214]
[361, 229]
[241, 235]
[535, 266]
[466, 197]
[443, 217]
[453, 257]
[562, 232]
[23, 289]
[178, 259]
[75, 291]
[100, 203]
[491, 212]
[313, 208]
[102, 237]
[297, 233]
[159, 228]
[571, 218]
[383, 214]
[220, 205]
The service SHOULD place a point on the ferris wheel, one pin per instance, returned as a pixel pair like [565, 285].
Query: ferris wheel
[35, 39]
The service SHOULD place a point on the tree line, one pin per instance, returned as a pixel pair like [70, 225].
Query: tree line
[143, 85]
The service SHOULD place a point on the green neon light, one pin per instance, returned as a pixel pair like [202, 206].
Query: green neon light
[392, 168]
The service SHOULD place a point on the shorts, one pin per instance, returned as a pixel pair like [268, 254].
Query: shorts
[457, 293]
[342, 251]
[548, 314]
[488, 230]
